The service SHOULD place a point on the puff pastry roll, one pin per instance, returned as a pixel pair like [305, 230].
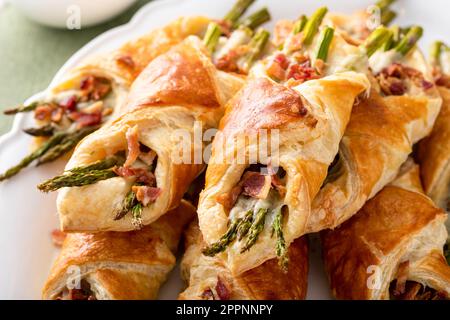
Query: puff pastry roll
[400, 111]
[392, 249]
[208, 278]
[434, 151]
[252, 188]
[118, 265]
[93, 93]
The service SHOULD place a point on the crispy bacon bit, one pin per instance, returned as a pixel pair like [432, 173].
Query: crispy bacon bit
[394, 79]
[142, 175]
[256, 185]
[302, 72]
[126, 61]
[132, 136]
[43, 112]
[222, 290]
[276, 68]
[228, 62]
[402, 277]
[58, 237]
[228, 199]
[70, 104]
[145, 194]
[208, 294]
[94, 88]
[282, 60]
[86, 119]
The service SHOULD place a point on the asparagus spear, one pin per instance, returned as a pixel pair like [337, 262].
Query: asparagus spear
[245, 225]
[127, 204]
[45, 131]
[384, 4]
[237, 11]
[256, 46]
[67, 144]
[376, 39]
[53, 141]
[327, 37]
[300, 24]
[312, 26]
[256, 19]
[136, 212]
[81, 176]
[224, 241]
[393, 39]
[387, 16]
[409, 40]
[19, 109]
[212, 36]
[280, 249]
[256, 228]
[435, 52]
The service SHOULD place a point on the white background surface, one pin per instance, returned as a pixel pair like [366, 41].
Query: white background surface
[28, 216]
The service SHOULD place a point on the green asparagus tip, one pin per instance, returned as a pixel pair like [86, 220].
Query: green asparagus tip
[256, 228]
[280, 248]
[387, 17]
[256, 19]
[237, 11]
[212, 36]
[20, 109]
[136, 212]
[435, 52]
[409, 40]
[377, 39]
[312, 25]
[300, 24]
[256, 47]
[327, 37]
[224, 241]
[384, 4]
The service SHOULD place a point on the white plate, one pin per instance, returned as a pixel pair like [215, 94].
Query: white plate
[28, 216]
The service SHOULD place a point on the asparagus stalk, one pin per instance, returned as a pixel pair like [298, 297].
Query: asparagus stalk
[256, 46]
[245, 225]
[376, 39]
[45, 131]
[393, 39]
[224, 241]
[300, 24]
[280, 249]
[127, 204]
[20, 109]
[384, 4]
[53, 141]
[212, 36]
[67, 144]
[387, 16]
[256, 228]
[435, 52]
[409, 40]
[312, 26]
[82, 176]
[327, 37]
[256, 19]
[237, 11]
[136, 212]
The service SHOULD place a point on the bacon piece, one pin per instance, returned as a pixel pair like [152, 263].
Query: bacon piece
[132, 136]
[43, 112]
[70, 104]
[222, 290]
[86, 119]
[94, 88]
[142, 175]
[228, 199]
[302, 72]
[58, 237]
[256, 185]
[208, 294]
[126, 61]
[145, 194]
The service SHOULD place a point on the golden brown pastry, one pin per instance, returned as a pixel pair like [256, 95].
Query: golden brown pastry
[177, 97]
[434, 150]
[118, 265]
[400, 111]
[208, 278]
[292, 118]
[392, 249]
